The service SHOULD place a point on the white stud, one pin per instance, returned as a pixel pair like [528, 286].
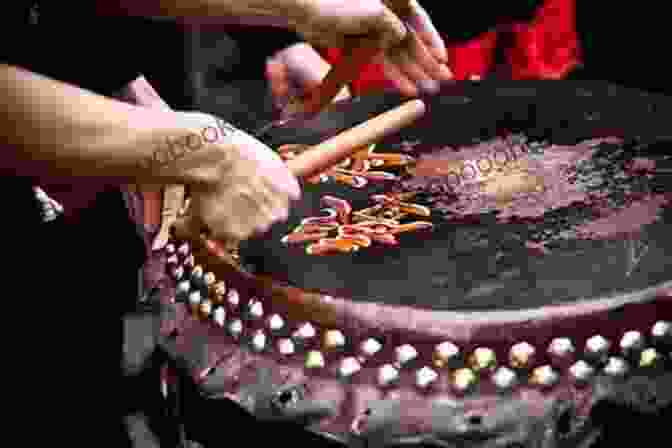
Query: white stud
[581, 372]
[504, 378]
[183, 287]
[616, 367]
[49, 215]
[349, 366]
[219, 316]
[405, 353]
[370, 347]
[632, 341]
[195, 298]
[40, 194]
[235, 327]
[305, 331]
[387, 374]
[258, 340]
[597, 347]
[561, 349]
[425, 377]
[286, 346]
[662, 331]
[255, 309]
[276, 322]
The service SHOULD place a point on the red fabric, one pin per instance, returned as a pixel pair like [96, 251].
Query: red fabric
[548, 47]
[473, 58]
[545, 48]
[371, 77]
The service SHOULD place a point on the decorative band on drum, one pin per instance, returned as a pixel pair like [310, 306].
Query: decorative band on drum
[250, 322]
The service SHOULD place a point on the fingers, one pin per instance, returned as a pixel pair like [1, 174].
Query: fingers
[304, 64]
[419, 52]
[420, 58]
[399, 79]
[250, 211]
[296, 71]
[258, 161]
[247, 186]
[251, 200]
[412, 63]
[420, 21]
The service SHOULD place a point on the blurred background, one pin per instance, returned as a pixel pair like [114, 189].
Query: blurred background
[221, 70]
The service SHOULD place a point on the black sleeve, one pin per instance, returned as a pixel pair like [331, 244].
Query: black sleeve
[74, 45]
[253, 45]
[14, 27]
[465, 20]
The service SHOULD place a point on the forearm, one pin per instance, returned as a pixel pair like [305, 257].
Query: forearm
[243, 12]
[57, 130]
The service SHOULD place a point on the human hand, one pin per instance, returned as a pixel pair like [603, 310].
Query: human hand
[249, 187]
[412, 52]
[295, 71]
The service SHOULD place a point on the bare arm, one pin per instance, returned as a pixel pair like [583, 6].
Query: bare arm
[280, 13]
[52, 129]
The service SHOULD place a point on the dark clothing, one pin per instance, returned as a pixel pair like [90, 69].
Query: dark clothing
[72, 44]
[76, 280]
[624, 43]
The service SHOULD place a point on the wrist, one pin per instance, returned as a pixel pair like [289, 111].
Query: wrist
[196, 142]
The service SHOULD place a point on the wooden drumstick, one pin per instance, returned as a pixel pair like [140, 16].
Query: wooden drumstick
[334, 150]
[345, 71]
[326, 154]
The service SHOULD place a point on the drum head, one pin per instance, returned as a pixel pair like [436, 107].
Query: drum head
[584, 213]
[468, 315]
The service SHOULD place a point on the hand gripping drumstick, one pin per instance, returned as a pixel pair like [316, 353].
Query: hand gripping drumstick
[345, 71]
[324, 155]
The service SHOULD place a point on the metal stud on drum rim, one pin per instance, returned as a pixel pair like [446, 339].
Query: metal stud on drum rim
[387, 375]
[522, 356]
[505, 379]
[463, 380]
[446, 354]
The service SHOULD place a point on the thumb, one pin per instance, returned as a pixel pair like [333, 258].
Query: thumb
[278, 79]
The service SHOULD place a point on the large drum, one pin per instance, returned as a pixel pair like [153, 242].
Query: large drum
[489, 276]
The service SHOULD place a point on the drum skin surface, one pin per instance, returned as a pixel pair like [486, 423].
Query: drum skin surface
[488, 324]
[474, 259]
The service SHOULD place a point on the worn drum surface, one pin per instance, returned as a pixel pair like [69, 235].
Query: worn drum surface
[503, 262]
